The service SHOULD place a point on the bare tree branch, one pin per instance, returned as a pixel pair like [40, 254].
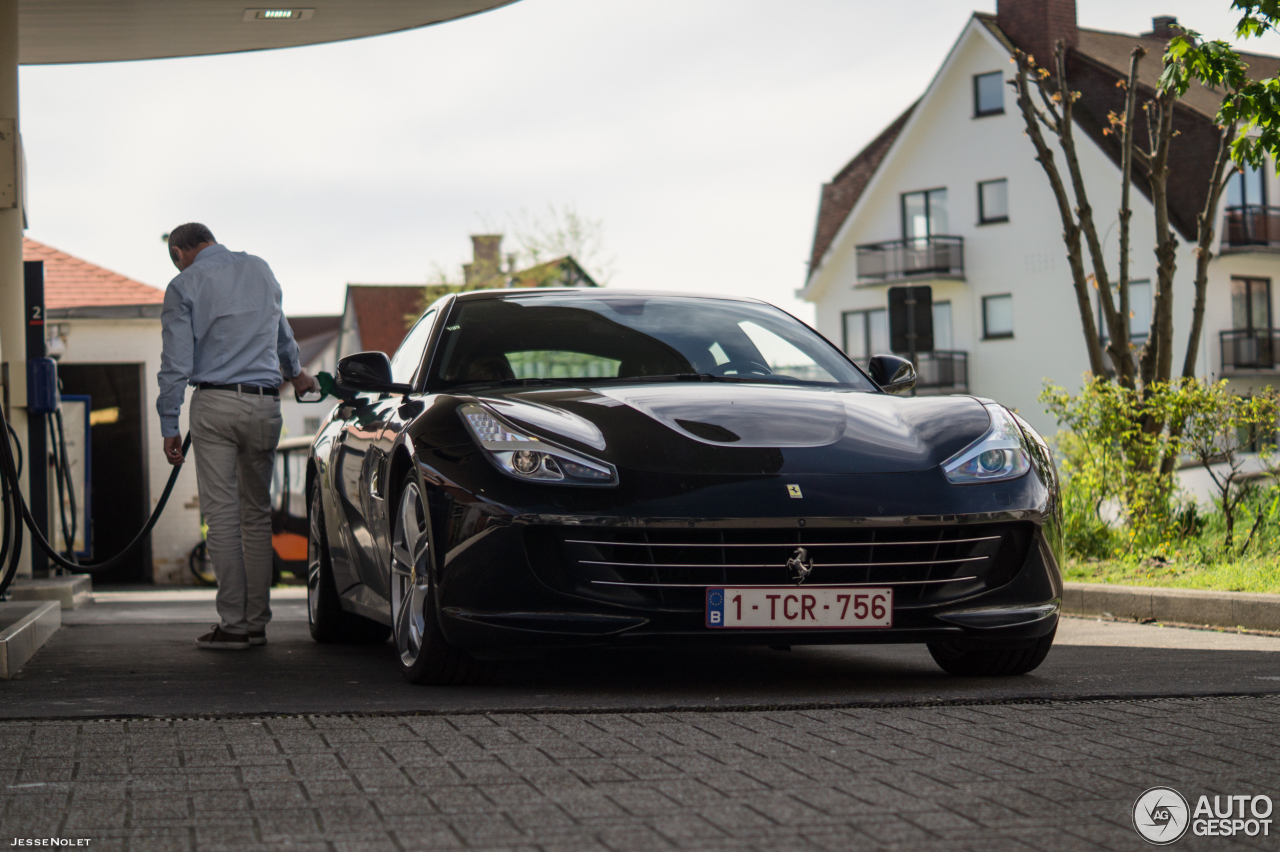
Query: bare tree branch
[1070, 229]
[1121, 350]
[1157, 356]
[1084, 215]
[1205, 234]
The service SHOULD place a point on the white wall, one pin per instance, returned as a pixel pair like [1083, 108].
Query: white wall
[297, 414]
[132, 341]
[945, 146]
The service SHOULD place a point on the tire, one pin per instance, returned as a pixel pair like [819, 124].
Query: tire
[964, 660]
[424, 655]
[330, 623]
[202, 566]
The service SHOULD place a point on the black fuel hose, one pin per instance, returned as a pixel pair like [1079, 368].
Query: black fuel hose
[9, 475]
[11, 542]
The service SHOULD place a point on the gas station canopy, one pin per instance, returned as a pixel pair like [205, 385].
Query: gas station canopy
[59, 31]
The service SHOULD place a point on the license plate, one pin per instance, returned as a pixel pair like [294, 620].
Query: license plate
[793, 608]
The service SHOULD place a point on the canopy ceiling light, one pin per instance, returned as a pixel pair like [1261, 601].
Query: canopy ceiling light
[59, 31]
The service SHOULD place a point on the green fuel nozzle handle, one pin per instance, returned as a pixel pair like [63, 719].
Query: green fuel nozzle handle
[328, 388]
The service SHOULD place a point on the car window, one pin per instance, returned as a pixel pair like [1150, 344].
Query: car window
[560, 364]
[620, 338]
[782, 357]
[404, 364]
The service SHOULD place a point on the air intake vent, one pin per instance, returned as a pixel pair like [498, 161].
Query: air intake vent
[672, 568]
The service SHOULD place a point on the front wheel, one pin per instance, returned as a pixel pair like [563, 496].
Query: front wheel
[960, 658]
[425, 656]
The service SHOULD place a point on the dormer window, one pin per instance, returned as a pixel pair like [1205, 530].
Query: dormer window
[988, 94]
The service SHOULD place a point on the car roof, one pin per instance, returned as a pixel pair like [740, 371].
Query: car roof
[596, 293]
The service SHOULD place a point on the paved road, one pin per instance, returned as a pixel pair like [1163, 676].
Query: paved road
[1013, 777]
[131, 654]
[879, 749]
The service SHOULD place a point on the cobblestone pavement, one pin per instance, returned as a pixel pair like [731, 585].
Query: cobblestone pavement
[1043, 776]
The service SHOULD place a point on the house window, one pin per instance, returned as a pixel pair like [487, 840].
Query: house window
[993, 201]
[1250, 304]
[942, 326]
[1141, 300]
[1247, 188]
[924, 214]
[866, 333]
[311, 425]
[988, 94]
[997, 317]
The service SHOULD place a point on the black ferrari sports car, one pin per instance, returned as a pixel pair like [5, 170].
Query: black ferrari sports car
[545, 468]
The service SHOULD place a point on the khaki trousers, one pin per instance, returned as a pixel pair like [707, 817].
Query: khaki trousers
[234, 436]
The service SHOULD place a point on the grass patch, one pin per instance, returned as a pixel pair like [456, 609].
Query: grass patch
[1244, 575]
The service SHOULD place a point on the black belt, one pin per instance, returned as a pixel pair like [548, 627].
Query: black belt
[254, 389]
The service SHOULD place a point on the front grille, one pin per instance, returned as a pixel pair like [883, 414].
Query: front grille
[671, 568]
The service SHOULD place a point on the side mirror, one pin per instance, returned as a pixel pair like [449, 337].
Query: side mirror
[368, 372]
[891, 373]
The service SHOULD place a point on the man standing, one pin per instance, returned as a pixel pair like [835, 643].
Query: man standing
[225, 334]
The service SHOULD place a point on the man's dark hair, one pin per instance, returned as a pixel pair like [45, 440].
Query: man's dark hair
[189, 235]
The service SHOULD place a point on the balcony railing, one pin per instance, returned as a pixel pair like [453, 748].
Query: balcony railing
[911, 258]
[1249, 349]
[942, 371]
[1251, 225]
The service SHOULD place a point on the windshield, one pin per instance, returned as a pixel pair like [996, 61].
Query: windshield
[548, 338]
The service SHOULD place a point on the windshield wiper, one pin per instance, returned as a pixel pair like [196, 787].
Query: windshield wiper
[667, 377]
[509, 383]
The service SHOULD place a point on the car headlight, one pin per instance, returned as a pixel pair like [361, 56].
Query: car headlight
[999, 455]
[524, 456]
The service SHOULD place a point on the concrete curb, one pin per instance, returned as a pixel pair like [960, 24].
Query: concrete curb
[24, 627]
[70, 591]
[1185, 606]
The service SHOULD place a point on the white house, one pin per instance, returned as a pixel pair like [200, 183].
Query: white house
[317, 338]
[950, 195]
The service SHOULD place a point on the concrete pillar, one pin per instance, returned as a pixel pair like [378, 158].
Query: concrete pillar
[13, 361]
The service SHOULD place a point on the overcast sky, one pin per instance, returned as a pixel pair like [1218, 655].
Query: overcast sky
[699, 131]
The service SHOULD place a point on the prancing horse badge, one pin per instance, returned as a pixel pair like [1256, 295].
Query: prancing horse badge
[793, 491]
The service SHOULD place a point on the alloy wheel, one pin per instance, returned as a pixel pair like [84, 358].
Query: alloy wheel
[313, 558]
[410, 583]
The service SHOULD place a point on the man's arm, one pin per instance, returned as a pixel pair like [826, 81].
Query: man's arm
[287, 349]
[176, 360]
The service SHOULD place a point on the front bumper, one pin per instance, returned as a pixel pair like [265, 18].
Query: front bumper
[499, 589]
[493, 596]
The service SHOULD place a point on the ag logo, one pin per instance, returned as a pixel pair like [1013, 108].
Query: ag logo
[1161, 816]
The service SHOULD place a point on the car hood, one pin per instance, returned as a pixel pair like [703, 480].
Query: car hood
[703, 427]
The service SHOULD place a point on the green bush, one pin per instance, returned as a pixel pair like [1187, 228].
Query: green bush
[1118, 457]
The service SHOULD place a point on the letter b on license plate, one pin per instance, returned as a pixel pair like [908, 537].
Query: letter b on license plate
[798, 608]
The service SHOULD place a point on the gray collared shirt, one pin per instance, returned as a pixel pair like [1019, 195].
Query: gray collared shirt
[222, 323]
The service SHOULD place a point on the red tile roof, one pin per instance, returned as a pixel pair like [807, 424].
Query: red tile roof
[385, 312]
[70, 282]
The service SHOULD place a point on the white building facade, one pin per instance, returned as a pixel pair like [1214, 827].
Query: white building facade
[950, 195]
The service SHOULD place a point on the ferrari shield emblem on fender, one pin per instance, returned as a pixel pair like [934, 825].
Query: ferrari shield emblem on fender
[793, 491]
[800, 565]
